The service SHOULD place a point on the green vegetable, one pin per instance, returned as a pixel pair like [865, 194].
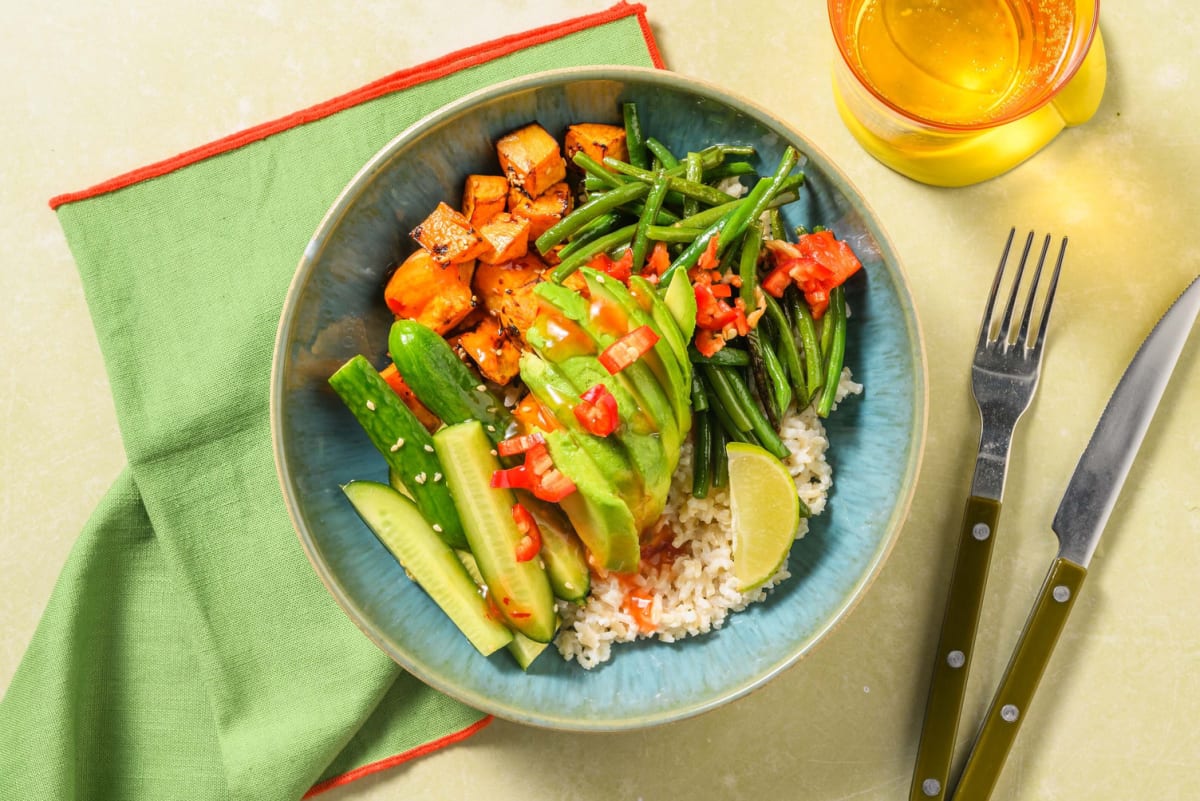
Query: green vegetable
[762, 194]
[702, 192]
[589, 211]
[441, 381]
[813, 360]
[431, 563]
[520, 590]
[403, 441]
[562, 552]
[635, 140]
[727, 356]
[693, 171]
[660, 151]
[786, 350]
[601, 244]
[837, 349]
[649, 215]
[701, 455]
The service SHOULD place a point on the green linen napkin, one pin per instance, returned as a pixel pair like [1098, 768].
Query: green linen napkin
[188, 649]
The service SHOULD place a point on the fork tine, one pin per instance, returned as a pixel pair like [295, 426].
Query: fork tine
[1023, 333]
[1046, 307]
[1006, 323]
[985, 327]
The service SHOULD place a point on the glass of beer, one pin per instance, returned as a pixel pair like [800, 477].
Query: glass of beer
[953, 92]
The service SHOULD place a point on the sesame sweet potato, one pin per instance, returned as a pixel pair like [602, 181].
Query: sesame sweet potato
[506, 290]
[448, 236]
[596, 140]
[491, 349]
[507, 238]
[438, 296]
[484, 196]
[531, 160]
[544, 210]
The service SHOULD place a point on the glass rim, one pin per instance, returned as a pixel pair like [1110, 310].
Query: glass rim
[1076, 52]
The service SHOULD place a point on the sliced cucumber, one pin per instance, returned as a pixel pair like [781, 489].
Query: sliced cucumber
[523, 649]
[519, 590]
[402, 529]
[404, 442]
[441, 381]
[562, 551]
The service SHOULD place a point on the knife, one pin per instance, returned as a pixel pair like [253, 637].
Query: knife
[1079, 522]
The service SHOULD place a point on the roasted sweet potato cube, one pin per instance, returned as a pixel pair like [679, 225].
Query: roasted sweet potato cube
[435, 295]
[596, 140]
[448, 236]
[531, 160]
[396, 381]
[544, 210]
[507, 238]
[484, 197]
[491, 349]
[506, 290]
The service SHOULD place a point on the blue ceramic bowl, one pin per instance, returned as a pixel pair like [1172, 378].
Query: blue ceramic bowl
[335, 309]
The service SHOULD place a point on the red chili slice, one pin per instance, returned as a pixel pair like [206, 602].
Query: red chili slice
[511, 478]
[597, 411]
[628, 349]
[545, 480]
[515, 445]
[531, 536]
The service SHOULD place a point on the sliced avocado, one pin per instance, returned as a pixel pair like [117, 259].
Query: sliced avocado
[559, 395]
[637, 433]
[637, 378]
[660, 359]
[600, 517]
[649, 299]
[681, 301]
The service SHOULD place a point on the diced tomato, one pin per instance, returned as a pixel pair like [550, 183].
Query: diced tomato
[620, 269]
[628, 349]
[708, 259]
[659, 261]
[709, 342]
[511, 478]
[515, 445]
[712, 314]
[531, 536]
[720, 290]
[597, 411]
[816, 263]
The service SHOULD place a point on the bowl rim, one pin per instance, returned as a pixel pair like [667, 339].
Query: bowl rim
[622, 74]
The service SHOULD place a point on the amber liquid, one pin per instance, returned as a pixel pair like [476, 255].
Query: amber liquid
[959, 62]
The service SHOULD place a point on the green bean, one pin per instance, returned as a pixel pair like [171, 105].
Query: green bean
[660, 151]
[664, 217]
[731, 431]
[789, 354]
[720, 459]
[699, 393]
[762, 382]
[759, 424]
[691, 254]
[732, 150]
[728, 356]
[777, 374]
[826, 333]
[729, 169]
[635, 141]
[759, 197]
[649, 215]
[837, 350]
[597, 171]
[776, 224]
[601, 244]
[701, 192]
[596, 228]
[694, 171]
[701, 454]
[597, 206]
[592, 184]
[703, 219]
[748, 265]
[813, 360]
[723, 380]
[673, 233]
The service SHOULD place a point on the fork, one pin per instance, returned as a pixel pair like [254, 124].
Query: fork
[1004, 376]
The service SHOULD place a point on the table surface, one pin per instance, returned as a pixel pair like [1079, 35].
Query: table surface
[91, 92]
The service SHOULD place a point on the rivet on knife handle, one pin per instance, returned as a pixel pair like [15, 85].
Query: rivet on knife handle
[1021, 679]
[956, 644]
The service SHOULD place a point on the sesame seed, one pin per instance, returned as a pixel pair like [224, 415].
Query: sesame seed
[494, 452]
[428, 448]
[437, 528]
[399, 444]
[480, 388]
[491, 428]
[370, 405]
[437, 477]
[419, 478]
[599, 279]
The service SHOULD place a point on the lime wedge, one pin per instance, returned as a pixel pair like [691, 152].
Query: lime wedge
[766, 513]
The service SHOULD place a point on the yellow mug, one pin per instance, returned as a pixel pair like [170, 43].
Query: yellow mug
[953, 92]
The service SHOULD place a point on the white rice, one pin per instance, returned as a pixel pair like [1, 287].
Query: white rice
[694, 592]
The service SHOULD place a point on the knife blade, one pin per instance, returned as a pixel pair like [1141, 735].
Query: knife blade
[1079, 523]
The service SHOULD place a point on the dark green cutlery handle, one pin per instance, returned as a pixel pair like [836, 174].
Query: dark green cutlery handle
[1012, 700]
[955, 646]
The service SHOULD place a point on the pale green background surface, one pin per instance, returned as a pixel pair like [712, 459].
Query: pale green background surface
[91, 92]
